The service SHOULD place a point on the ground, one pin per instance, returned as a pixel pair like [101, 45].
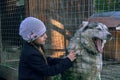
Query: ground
[111, 71]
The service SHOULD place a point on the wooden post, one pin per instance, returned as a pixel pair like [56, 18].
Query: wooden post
[117, 53]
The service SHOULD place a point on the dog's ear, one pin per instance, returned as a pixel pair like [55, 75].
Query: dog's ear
[92, 24]
[83, 26]
[85, 23]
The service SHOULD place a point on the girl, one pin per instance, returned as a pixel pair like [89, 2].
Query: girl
[33, 64]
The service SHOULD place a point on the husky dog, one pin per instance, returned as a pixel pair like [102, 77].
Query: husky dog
[88, 43]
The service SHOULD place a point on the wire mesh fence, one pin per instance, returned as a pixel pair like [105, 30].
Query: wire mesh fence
[11, 16]
[62, 18]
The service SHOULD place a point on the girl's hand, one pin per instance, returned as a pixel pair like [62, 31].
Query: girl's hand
[71, 55]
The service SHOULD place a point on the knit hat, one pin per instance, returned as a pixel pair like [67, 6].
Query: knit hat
[31, 28]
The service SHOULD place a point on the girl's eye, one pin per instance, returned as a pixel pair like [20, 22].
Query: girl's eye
[42, 34]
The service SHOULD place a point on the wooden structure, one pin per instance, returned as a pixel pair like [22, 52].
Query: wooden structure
[112, 48]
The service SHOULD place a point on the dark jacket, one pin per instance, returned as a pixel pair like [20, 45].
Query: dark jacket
[32, 65]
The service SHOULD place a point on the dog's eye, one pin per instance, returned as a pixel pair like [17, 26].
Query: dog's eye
[99, 28]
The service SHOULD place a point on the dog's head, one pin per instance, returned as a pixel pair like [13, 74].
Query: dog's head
[93, 35]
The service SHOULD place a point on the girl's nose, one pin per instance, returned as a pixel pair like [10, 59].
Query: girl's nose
[45, 35]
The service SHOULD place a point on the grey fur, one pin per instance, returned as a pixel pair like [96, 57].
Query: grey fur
[88, 64]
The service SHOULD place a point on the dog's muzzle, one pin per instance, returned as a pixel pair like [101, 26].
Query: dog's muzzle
[99, 43]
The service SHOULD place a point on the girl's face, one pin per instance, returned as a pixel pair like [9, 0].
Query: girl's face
[41, 39]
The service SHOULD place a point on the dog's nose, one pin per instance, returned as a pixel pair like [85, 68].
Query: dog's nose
[109, 36]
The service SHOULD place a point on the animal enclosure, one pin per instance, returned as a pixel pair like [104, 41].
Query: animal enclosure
[62, 18]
